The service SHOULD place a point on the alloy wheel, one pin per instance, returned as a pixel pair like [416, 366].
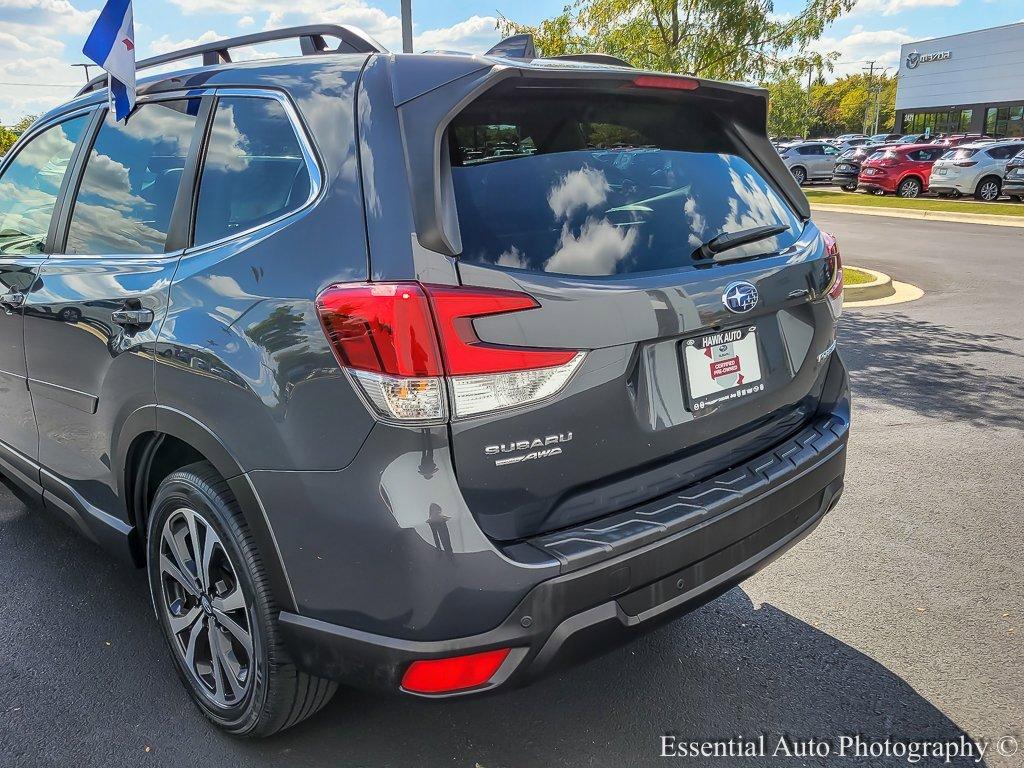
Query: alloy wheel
[800, 175]
[910, 188]
[205, 608]
[989, 191]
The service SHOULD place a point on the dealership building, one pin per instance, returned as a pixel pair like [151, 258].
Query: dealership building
[967, 83]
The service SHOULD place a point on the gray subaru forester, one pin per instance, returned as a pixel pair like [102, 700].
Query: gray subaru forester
[418, 372]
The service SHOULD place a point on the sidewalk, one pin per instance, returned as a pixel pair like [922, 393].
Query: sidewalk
[912, 213]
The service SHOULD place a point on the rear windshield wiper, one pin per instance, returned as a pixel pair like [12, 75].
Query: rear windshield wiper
[729, 240]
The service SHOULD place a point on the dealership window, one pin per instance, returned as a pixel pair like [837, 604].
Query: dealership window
[1005, 121]
[938, 123]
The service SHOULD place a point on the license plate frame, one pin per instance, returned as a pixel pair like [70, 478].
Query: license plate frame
[722, 367]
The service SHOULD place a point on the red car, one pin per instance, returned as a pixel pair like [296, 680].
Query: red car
[904, 169]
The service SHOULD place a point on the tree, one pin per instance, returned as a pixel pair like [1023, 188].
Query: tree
[24, 124]
[7, 139]
[847, 105]
[789, 112]
[719, 39]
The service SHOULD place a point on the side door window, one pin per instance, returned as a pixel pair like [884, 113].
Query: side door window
[90, 328]
[254, 171]
[30, 186]
[29, 190]
[127, 193]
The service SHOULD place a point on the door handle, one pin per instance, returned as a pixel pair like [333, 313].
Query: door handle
[13, 300]
[135, 318]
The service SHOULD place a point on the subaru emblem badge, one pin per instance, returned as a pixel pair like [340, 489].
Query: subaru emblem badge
[740, 297]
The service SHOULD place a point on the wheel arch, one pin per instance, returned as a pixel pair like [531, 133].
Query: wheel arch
[142, 437]
[994, 177]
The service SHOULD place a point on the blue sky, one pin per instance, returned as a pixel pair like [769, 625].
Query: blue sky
[40, 39]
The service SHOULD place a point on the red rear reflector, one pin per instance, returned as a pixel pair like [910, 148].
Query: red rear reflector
[457, 673]
[381, 327]
[464, 352]
[663, 81]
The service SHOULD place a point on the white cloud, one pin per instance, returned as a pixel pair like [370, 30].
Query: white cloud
[863, 45]
[246, 21]
[891, 7]
[474, 35]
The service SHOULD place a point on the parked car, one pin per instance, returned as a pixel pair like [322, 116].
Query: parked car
[884, 138]
[350, 389]
[809, 160]
[1013, 179]
[849, 136]
[902, 169]
[973, 169]
[957, 139]
[914, 138]
[843, 146]
[847, 169]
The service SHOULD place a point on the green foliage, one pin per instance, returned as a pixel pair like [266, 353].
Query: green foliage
[789, 112]
[24, 124]
[719, 39]
[7, 139]
[847, 105]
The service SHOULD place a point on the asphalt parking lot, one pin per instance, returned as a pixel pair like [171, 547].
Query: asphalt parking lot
[901, 616]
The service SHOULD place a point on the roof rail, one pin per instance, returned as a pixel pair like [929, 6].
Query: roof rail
[311, 41]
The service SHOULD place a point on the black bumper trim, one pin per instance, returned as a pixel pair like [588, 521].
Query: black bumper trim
[622, 532]
[632, 588]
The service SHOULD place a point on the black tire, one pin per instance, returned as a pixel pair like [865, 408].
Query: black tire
[909, 187]
[800, 175]
[988, 189]
[275, 694]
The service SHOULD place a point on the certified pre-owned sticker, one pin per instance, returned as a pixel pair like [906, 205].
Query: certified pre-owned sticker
[528, 450]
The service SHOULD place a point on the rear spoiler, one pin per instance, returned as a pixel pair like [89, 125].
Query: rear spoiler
[433, 90]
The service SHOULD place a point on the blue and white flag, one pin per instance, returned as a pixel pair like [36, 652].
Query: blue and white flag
[111, 44]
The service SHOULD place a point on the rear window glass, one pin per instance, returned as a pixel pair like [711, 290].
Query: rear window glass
[603, 185]
[963, 154]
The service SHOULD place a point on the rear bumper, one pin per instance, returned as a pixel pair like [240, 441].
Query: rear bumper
[1013, 186]
[872, 183]
[620, 575]
[843, 179]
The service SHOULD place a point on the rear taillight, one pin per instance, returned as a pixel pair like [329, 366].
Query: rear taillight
[411, 346]
[835, 261]
[965, 163]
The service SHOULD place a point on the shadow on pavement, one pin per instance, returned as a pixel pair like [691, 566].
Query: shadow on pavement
[935, 370]
[87, 681]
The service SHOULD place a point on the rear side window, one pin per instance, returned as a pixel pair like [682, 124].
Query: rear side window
[254, 172]
[131, 181]
[30, 186]
[594, 184]
[811, 149]
[1003, 153]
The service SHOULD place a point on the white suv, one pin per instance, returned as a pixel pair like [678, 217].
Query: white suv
[973, 169]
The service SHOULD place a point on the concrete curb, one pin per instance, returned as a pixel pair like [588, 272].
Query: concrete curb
[879, 288]
[911, 213]
[902, 292]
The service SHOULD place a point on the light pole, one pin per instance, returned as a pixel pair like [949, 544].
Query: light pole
[406, 26]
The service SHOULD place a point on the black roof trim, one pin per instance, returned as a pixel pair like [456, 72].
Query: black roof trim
[310, 37]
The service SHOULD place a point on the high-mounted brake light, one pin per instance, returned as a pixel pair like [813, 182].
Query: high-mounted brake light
[458, 673]
[407, 344]
[666, 82]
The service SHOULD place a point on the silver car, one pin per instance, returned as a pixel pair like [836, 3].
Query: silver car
[973, 169]
[810, 160]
